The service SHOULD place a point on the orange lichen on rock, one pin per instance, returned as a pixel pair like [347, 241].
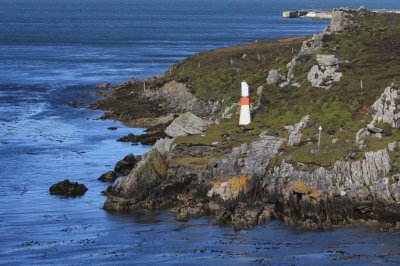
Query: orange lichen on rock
[300, 187]
[241, 183]
[232, 188]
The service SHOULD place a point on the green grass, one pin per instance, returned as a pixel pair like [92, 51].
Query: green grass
[369, 53]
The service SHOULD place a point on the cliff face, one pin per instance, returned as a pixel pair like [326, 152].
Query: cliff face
[277, 168]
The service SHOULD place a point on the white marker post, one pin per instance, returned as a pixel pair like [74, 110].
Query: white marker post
[245, 118]
[319, 137]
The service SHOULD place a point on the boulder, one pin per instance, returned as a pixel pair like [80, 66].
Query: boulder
[325, 74]
[295, 131]
[68, 189]
[273, 77]
[125, 165]
[110, 176]
[186, 124]
[327, 60]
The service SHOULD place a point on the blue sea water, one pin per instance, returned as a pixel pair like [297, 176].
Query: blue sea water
[55, 51]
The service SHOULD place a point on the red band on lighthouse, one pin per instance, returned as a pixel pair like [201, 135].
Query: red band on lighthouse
[245, 101]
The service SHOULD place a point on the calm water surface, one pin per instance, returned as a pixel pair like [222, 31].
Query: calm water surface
[55, 51]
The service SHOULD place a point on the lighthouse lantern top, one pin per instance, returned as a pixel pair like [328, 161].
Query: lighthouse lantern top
[245, 89]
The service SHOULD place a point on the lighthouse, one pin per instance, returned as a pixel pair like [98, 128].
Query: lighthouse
[245, 118]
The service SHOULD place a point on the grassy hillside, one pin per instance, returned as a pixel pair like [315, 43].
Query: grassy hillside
[372, 54]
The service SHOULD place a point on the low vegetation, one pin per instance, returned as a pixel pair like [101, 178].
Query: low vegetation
[370, 62]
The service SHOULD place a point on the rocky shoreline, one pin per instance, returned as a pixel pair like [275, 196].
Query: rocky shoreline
[254, 181]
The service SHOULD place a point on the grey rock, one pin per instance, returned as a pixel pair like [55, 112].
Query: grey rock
[327, 60]
[387, 107]
[342, 19]
[179, 99]
[295, 131]
[325, 74]
[393, 146]
[260, 90]
[230, 110]
[247, 159]
[273, 77]
[186, 124]
[149, 172]
[164, 146]
[311, 46]
[373, 129]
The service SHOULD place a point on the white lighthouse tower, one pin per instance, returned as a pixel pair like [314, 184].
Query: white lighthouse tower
[245, 118]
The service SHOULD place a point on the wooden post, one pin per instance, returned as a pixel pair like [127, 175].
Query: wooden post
[319, 137]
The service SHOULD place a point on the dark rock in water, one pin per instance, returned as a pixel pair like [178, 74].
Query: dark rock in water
[68, 189]
[103, 85]
[124, 166]
[110, 176]
[112, 128]
[146, 139]
[72, 103]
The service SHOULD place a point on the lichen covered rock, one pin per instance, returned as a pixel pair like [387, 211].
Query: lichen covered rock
[325, 74]
[387, 107]
[148, 173]
[295, 131]
[186, 124]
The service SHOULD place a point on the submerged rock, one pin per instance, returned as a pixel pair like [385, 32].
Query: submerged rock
[72, 103]
[124, 166]
[68, 189]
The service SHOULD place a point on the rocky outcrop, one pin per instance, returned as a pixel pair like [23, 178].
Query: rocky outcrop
[312, 45]
[387, 107]
[274, 77]
[149, 172]
[295, 131]
[186, 124]
[164, 146]
[342, 19]
[387, 110]
[247, 159]
[68, 189]
[125, 165]
[343, 175]
[325, 74]
[179, 99]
